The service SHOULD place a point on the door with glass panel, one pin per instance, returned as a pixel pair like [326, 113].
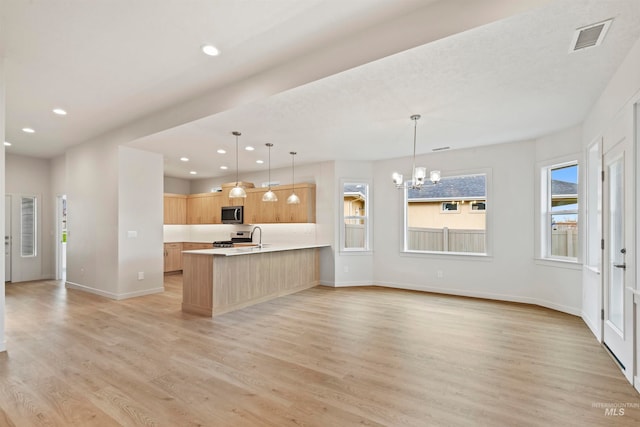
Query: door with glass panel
[617, 257]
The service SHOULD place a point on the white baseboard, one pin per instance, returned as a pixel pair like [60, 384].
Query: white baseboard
[140, 293]
[484, 295]
[112, 295]
[3, 346]
[636, 383]
[351, 284]
[591, 325]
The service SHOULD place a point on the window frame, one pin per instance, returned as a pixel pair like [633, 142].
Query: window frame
[547, 213]
[366, 218]
[488, 241]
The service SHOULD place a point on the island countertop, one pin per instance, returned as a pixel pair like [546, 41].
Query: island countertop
[249, 250]
[216, 281]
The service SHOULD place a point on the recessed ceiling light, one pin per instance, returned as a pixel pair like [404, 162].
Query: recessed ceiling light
[210, 50]
[193, 173]
[259, 162]
[28, 130]
[7, 144]
[224, 168]
[249, 148]
[221, 151]
[60, 111]
[184, 159]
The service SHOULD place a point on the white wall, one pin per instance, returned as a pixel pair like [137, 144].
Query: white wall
[615, 103]
[177, 185]
[31, 176]
[304, 173]
[510, 271]
[558, 285]
[3, 344]
[140, 215]
[352, 268]
[92, 218]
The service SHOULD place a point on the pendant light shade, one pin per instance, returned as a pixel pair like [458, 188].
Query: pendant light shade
[418, 174]
[293, 199]
[269, 196]
[237, 191]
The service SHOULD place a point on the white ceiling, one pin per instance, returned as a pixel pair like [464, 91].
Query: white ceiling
[110, 62]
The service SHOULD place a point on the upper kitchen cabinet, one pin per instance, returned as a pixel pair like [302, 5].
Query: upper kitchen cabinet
[258, 212]
[175, 208]
[305, 211]
[204, 208]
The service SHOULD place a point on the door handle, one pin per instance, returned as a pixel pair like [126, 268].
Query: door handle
[622, 266]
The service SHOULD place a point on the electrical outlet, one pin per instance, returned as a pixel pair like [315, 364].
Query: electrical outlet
[140, 275]
[346, 268]
[440, 274]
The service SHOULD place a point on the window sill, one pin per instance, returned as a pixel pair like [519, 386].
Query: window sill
[559, 263]
[357, 252]
[467, 256]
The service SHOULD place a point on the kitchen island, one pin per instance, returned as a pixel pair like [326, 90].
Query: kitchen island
[216, 281]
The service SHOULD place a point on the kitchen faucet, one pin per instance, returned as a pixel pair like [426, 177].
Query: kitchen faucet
[254, 229]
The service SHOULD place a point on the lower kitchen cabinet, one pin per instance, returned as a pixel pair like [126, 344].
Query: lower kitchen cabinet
[172, 257]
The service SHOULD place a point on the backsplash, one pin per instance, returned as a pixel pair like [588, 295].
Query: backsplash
[272, 233]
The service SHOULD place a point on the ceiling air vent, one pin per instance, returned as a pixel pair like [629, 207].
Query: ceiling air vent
[589, 36]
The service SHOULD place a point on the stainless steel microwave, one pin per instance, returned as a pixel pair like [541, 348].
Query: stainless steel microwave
[232, 215]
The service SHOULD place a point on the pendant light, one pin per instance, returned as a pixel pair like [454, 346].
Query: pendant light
[269, 196]
[237, 191]
[293, 199]
[418, 174]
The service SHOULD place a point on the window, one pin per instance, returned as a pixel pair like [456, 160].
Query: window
[561, 212]
[28, 226]
[478, 206]
[449, 206]
[428, 225]
[355, 230]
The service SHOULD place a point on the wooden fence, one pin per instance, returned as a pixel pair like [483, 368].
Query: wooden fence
[446, 240]
[564, 242]
[354, 235]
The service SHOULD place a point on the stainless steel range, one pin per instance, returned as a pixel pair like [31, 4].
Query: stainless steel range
[236, 237]
[223, 244]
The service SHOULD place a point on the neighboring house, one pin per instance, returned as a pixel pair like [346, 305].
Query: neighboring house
[354, 200]
[455, 202]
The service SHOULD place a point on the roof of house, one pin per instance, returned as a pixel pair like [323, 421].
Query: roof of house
[563, 188]
[474, 187]
[354, 189]
[456, 187]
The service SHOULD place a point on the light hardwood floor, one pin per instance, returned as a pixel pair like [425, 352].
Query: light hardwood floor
[321, 357]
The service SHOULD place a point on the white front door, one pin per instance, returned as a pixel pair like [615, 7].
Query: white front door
[617, 257]
[7, 238]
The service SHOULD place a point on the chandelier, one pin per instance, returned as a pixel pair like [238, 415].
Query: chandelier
[418, 174]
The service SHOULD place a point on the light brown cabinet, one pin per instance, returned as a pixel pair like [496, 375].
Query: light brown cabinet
[175, 208]
[204, 208]
[172, 257]
[259, 212]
